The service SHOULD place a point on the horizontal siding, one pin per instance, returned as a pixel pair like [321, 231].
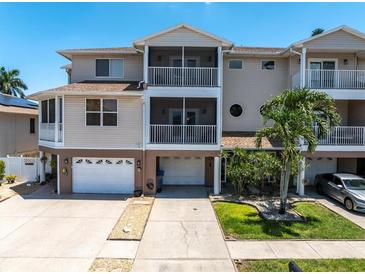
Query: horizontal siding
[337, 40]
[251, 87]
[83, 68]
[128, 133]
[183, 37]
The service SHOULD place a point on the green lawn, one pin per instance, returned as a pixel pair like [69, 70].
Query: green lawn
[321, 265]
[243, 222]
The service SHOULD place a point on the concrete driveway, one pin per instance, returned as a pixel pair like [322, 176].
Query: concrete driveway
[48, 233]
[182, 234]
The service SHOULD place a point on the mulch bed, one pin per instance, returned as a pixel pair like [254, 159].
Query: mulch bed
[132, 223]
[9, 190]
[111, 265]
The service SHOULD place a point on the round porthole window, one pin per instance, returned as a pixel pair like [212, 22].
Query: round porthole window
[236, 110]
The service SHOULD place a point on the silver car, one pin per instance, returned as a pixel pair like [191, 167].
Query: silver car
[347, 188]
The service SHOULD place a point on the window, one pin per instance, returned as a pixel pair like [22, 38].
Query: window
[109, 68]
[236, 110]
[268, 65]
[51, 111]
[101, 112]
[31, 125]
[45, 111]
[235, 64]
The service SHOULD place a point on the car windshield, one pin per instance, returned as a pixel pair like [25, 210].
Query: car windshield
[358, 184]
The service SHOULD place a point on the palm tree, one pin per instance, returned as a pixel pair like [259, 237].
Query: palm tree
[317, 31]
[293, 114]
[10, 83]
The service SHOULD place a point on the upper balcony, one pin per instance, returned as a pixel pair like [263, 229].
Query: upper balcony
[183, 67]
[335, 79]
[51, 122]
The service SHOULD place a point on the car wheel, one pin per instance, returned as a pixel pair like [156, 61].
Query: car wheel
[319, 189]
[349, 204]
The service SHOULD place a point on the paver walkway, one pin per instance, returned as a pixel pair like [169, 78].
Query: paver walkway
[296, 249]
[182, 234]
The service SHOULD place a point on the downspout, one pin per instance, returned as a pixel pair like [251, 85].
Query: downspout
[143, 142]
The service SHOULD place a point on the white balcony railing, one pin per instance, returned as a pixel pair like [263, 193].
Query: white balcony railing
[335, 79]
[60, 132]
[343, 136]
[183, 76]
[183, 134]
[47, 132]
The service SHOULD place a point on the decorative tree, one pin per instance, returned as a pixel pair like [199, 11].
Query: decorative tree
[293, 114]
[317, 31]
[10, 83]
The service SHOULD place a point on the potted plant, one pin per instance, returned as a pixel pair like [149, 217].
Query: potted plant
[11, 179]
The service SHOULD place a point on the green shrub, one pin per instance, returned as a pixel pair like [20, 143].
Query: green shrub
[2, 169]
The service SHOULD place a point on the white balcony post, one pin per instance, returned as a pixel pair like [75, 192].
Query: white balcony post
[302, 67]
[57, 119]
[183, 65]
[300, 177]
[217, 179]
[183, 121]
[220, 66]
[145, 64]
[42, 175]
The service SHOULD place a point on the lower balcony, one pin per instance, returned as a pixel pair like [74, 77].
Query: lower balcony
[183, 134]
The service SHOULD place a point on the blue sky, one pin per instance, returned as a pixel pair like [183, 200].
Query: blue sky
[32, 32]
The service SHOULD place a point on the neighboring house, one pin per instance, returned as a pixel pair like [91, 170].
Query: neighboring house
[18, 126]
[175, 98]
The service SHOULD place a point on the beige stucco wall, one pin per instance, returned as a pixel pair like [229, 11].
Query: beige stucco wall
[251, 87]
[342, 109]
[15, 137]
[127, 134]
[83, 68]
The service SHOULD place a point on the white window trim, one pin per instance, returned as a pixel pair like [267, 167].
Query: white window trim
[235, 60]
[101, 112]
[265, 60]
[110, 68]
[322, 60]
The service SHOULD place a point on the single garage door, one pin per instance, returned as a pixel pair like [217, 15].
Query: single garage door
[319, 165]
[103, 175]
[182, 170]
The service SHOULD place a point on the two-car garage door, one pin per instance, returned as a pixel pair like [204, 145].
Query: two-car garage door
[103, 175]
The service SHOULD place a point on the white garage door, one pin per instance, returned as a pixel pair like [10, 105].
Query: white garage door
[102, 175]
[319, 165]
[182, 171]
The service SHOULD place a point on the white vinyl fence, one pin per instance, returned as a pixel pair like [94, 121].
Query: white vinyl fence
[25, 168]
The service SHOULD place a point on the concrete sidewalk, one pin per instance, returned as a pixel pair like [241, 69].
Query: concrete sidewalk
[182, 234]
[289, 249]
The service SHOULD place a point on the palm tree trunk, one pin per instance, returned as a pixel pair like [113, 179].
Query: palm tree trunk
[284, 184]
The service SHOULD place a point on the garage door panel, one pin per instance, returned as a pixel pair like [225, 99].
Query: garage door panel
[103, 175]
[182, 171]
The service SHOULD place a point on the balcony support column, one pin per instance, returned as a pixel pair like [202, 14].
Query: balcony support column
[302, 67]
[57, 119]
[145, 64]
[217, 176]
[300, 177]
[42, 173]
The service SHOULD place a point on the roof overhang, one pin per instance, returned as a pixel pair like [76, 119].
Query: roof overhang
[141, 41]
[18, 110]
[68, 53]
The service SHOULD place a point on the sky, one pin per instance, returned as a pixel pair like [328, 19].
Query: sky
[32, 32]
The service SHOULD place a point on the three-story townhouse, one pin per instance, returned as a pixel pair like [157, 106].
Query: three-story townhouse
[176, 98]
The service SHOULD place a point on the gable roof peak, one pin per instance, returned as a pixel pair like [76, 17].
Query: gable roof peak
[141, 41]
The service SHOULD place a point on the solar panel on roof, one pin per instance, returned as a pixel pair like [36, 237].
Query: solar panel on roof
[13, 101]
